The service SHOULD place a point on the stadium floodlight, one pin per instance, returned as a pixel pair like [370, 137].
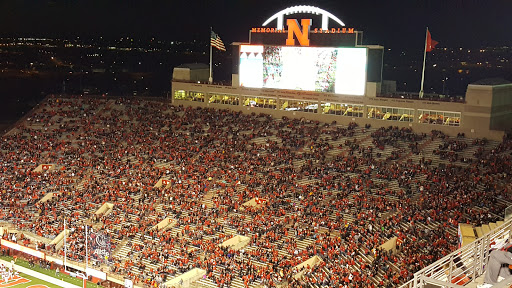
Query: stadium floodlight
[326, 15]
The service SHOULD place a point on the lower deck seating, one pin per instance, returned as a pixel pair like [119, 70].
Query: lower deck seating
[336, 192]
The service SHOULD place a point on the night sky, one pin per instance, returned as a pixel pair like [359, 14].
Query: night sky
[392, 23]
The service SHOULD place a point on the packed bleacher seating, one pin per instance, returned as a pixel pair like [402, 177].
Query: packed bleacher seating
[337, 192]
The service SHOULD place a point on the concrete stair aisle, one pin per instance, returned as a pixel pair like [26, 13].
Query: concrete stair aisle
[333, 211]
[469, 152]
[360, 138]
[125, 246]
[430, 146]
[231, 230]
[368, 261]
[491, 144]
[389, 151]
[430, 225]
[119, 245]
[466, 152]
[125, 250]
[236, 282]
[207, 198]
[415, 157]
[164, 165]
[254, 259]
[261, 144]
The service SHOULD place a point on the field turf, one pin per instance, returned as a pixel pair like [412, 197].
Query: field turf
[26, 281]
[51, 273]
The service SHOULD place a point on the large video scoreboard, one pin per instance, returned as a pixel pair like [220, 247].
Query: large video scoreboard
[339, 70]
[295, 56]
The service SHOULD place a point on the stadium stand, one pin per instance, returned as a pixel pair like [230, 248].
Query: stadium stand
[319, 191]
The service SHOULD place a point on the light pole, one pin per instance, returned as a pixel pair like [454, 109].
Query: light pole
[444, 83]
[86, 250]
[65, 246]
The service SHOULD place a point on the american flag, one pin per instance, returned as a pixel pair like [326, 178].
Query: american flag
[216, 42]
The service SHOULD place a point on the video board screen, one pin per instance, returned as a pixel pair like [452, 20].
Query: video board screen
[336, 70]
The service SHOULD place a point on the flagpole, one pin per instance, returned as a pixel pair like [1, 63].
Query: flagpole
[424, 60]
[65, 248]
[210, 80]
[86, 250]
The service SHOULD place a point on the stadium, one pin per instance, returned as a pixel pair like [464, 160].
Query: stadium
[322, 181]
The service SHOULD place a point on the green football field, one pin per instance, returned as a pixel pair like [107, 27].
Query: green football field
[51, 273]
[26, 281]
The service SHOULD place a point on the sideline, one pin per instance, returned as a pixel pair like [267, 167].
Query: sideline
[40, 275]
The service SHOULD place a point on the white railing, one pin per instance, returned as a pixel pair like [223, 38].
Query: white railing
[461, 266]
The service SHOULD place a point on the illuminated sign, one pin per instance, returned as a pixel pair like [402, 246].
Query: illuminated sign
[303, 33]
[316, 30]
[301, 9]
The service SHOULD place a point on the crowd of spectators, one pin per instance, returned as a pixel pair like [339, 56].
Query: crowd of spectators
[332, 191]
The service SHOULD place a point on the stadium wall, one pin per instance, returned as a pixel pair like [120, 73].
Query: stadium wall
[486, 112]
[501, 107]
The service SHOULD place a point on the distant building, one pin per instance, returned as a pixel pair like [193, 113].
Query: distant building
[193, 72]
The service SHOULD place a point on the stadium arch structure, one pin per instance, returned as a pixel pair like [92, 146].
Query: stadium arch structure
[279, 16]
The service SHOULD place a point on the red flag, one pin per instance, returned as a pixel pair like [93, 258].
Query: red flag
[431, 43]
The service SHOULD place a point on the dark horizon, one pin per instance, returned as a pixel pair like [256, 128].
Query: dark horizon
[398, 25]
[393, 24]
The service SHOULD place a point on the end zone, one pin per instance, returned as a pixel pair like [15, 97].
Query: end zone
[35, 274]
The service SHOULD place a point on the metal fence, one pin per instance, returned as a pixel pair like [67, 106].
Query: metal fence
[463, 265]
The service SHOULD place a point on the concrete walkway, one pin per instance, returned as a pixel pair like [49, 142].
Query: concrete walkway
[40, 275]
